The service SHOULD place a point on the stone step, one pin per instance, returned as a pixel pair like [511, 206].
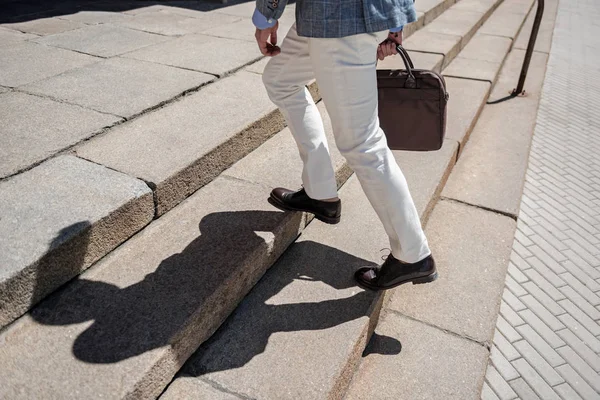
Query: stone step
[507, 22]
[427, 11]
[482, 59]
[175, 150]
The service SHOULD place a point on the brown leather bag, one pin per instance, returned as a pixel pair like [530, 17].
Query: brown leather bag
[412, 106]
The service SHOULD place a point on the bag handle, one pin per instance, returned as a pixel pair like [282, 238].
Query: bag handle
[404, 54]
[411, 82]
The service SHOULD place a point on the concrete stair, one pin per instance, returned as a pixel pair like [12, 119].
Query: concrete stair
[128, 324]
[169, 141]
[170, 160]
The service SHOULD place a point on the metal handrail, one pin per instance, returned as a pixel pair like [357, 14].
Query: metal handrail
[519, 91]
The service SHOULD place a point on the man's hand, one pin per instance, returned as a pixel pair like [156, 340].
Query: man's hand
[267, 41]
[388, 46]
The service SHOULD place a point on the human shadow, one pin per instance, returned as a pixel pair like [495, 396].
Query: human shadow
[273, 307]
[190, 293]
[381, 344]
[67, 255]
[134, 319]
[15, 11]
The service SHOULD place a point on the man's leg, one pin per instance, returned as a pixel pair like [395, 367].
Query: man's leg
[285, 78]
[345, 70]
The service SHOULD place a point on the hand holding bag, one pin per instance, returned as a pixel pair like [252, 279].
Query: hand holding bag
[412, 106]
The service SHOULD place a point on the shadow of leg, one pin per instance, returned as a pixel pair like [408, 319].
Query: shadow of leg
[385, 345]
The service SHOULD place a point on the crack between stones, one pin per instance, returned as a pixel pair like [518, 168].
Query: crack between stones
[469, 79]
[504, 213]
[62, 48]
[503, 36]
[225, 176]
[104, 166]
[62, 101]
[223, 389]
[535, 51]
[486, 344]
[428, 52]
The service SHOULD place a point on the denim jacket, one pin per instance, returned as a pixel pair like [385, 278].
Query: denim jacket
[338, 18]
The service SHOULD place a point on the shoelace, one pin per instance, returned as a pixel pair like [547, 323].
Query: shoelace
[384, 258]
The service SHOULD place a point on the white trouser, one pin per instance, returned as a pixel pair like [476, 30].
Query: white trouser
[345, 72]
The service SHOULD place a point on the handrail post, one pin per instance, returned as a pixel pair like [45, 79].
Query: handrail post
[528, 53]
[530, 47]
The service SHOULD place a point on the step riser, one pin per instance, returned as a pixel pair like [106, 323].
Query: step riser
[177, 188]
[472, 32]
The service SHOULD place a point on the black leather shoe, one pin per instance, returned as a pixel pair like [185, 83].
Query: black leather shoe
[394, 273]
[288, 200]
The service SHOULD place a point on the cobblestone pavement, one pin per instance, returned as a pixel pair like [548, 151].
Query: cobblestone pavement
[547, 341]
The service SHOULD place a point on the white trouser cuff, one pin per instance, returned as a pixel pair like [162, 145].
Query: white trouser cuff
[416, 254]
[321, 191]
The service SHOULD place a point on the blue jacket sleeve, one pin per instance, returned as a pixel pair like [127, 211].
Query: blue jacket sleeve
[398, 29]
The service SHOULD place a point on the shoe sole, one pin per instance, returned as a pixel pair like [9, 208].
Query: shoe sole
[416, 281]
[283, 207]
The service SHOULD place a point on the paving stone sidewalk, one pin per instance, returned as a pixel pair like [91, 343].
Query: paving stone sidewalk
[547, 341]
